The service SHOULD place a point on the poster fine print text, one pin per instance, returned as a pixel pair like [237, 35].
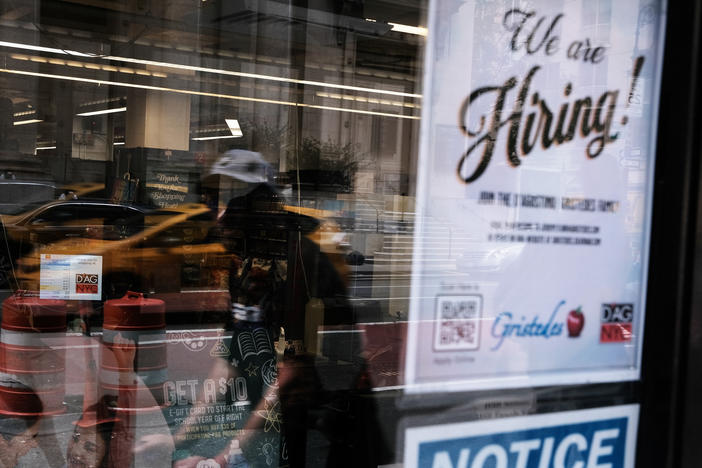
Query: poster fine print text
[534, 193]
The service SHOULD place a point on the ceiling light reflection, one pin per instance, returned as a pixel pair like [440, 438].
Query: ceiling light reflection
[200, 93]
[103, 111]
[220, 137]
[16, 45]
[234, 127]
[26, 122]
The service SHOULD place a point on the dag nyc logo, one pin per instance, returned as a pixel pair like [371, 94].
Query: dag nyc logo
[616, 322]
[87, 283]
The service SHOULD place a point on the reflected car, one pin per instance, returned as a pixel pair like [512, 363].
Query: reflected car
[144, 249]
[22, 196]
[16, 196]
[80, 190]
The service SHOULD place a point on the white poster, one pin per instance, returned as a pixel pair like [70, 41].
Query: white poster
[70, 277]
[534, 193]
[602, 437]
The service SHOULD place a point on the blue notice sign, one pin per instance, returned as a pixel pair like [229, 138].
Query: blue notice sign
[597, 438]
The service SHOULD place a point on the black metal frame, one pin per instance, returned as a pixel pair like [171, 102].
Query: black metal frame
[672, 354]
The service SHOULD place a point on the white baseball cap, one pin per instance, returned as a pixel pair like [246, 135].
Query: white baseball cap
[243, 165]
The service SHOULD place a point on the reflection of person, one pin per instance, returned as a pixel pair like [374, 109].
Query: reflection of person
[88, 446]
[276, 277]
[327, 395]
[257, 289]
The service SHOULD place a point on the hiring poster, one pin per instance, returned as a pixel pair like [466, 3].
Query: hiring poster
[604, 437]
[534, 193]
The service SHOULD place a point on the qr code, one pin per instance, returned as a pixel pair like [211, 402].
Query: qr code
[457, 325]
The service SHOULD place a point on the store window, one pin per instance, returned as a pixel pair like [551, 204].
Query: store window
[193, 194]
[331, 233]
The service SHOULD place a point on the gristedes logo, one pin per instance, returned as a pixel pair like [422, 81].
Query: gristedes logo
[512, 326]
[616, 322]
[87, 283]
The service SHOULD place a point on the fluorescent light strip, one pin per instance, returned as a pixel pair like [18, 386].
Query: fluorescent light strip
[347, 97]
[258, 76]
[210, 130]
[103, 111]
[50, 50]
[117, 143]
[20, 114]
[89, 65]
[404, 28]
[25, 122]
[416, 30]
[200, 93]
[358, 111]
[323, 84]
[234, 127]
[103, 101]
[45, 148]
[215, 137]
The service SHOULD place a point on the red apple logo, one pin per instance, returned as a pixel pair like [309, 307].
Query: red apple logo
[575, 322]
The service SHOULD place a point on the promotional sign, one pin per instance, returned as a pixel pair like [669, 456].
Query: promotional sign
[70, 277]
[534, 193]
[209, 403]
[603, 437]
